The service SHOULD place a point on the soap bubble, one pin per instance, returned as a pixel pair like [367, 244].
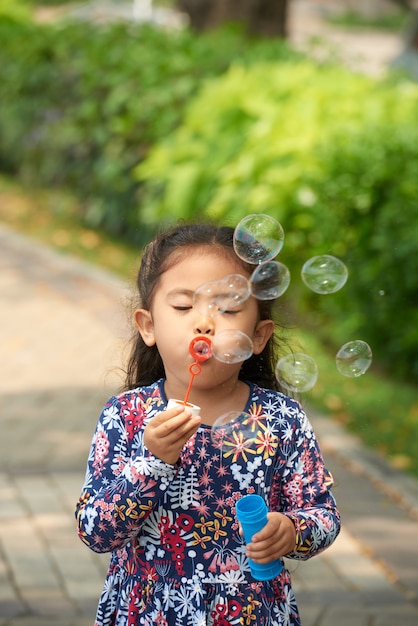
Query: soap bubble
[237, 290]
[233, 434]
[232, 346]
[269, 280]
[206, 298]
[258, 238]
[217, 296]
[324, 274]
[354, 358]
[296, 372]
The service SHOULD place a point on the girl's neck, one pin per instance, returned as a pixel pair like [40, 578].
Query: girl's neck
[216, 401]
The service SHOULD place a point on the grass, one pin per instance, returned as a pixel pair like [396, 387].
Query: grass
[383, 413]
[54, 218]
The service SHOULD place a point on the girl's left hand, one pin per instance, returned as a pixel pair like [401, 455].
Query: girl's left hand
[276, 539]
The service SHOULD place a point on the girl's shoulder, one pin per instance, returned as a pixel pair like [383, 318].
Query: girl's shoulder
[264, 393]
[286, 413]
[272, 402]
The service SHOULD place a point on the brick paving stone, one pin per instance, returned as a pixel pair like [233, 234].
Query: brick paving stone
[310, 613]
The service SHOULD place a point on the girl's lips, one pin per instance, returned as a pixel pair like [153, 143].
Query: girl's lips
[201, 348]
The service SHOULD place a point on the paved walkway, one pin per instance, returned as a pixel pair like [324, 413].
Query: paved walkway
[62, 329]
[363, 50]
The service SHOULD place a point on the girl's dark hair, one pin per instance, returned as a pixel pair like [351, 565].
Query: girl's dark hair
[145, 364]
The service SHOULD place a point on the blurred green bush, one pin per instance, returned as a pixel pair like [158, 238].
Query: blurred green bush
[80, 105]
[14, 10]
[334, 157]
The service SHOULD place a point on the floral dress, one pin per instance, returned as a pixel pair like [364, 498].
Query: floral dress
[177, 556]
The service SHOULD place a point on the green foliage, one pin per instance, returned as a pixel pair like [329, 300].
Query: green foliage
[382, 411]
[14, 10]
[80, 105]
[249, 137]
[371, 186]
[333, 156]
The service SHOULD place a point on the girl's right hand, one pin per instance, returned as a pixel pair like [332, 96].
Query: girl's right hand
[167, 432]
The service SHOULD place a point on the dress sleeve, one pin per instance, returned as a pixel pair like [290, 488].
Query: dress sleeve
[305, 494]
[124, 481]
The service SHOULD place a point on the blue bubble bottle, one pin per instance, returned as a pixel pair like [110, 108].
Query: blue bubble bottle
[251, 512]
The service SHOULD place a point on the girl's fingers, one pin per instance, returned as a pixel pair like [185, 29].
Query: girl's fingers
[165, 423]
[182, 434]
[166, 416]
[276, 539]
[269, 553]
[166, 434]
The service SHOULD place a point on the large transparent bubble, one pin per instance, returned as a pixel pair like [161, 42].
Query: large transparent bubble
[269, 280]
[354, 358]
[258, 238]
[217, 296]
[232, 433]
[297, 372]
[232, 346]
[324, 274]
[237, 290]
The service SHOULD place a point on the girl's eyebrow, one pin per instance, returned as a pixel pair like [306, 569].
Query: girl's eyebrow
[180, 292]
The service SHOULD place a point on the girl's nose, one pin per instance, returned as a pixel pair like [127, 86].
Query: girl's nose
[204, 326]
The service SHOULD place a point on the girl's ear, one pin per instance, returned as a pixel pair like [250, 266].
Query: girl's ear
[263, 332]
[143, 322]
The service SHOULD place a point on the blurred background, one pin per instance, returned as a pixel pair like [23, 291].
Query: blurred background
[117, 118]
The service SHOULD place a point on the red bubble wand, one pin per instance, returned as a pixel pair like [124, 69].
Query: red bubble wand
[201, 350]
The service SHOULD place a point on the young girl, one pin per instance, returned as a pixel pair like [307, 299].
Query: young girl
[160, 494]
